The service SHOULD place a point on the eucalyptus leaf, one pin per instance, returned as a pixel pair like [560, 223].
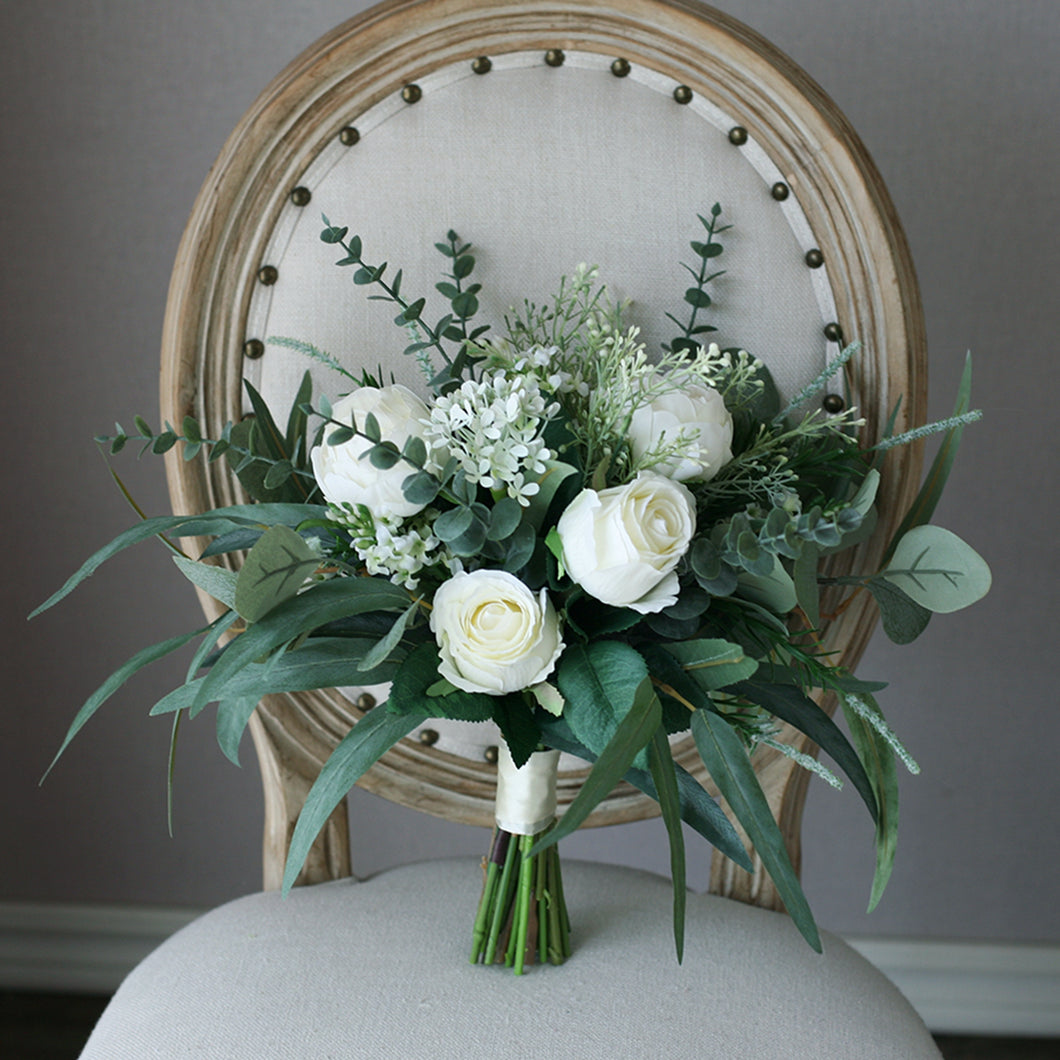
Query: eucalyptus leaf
[274, 570]
[938, 570]
[775, 590]
[807, 592]
[903, 618]
[381, 651]
[712, 663]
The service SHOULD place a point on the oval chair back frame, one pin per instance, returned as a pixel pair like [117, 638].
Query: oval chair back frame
[375, 55]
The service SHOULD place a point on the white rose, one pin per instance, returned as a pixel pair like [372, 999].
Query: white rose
[697, 411]
[621, 545]
[345, 477]
[494, 634]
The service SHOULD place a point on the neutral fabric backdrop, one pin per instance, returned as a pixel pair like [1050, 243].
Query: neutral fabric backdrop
[112, 112]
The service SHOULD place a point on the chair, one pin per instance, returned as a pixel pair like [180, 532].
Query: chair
[545, 133]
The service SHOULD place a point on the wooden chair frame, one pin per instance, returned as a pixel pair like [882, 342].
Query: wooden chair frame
[374, 55]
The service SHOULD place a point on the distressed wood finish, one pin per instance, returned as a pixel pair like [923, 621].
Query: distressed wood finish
[374, 55]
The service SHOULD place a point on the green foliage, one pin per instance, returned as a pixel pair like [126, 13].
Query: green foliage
[274, 570]
[630, 738]
[356, 753]
[692, 332]
[664, 775]
[937, 570]
[599, 682]
[729, 767]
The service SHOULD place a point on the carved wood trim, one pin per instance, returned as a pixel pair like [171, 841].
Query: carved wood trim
[375, 54]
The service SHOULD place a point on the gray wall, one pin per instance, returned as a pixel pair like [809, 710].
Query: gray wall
[112, 113]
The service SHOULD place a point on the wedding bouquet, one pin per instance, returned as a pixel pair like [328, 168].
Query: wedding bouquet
[592, 547]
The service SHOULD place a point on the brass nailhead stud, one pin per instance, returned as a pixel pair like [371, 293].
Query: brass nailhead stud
[301, 196]
[482, 65]
[365, 701]
[268, 275]
[349, 136]
[412, 93]
[490, 754]
[554, 57]
[620, 68]
[833, 403]
[738, 135]
[428, 737]
[253, 349]
[683, 94]
[833, 332]
[780, 191]
[814, 258]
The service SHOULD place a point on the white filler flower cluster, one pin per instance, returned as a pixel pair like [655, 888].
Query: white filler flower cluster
[492, 427]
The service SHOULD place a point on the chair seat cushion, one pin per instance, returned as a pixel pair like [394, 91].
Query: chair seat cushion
[380, 968]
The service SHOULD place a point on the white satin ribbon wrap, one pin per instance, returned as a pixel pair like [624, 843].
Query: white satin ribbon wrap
[526, 797]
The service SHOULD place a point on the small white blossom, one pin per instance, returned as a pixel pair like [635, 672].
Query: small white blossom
[493, 428]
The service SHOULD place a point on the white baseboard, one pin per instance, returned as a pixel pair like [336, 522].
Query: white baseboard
[957, 987]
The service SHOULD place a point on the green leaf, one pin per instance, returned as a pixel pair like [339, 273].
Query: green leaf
[807, 592]
[632, 735]
[712, 663]
[273, 442]
[903, 618]
[775, 590]
[878, 759]
[274, 570]
[599, 683]
[324, 603]
[923, 506]
[726, 759]
[297, 420]
[143, 426]
[697, 297]
[463, 266]
[698, 809]
[218, 582]
[142, 658]
[421, 487]
[515, 718]
[792, 705]
[356, 753]
[661, 763]
[556, 473]
[938, 570]
[321, 662]
[219, 521]
[233, 716]
[504, 518]
[382, 650]
[414, 691]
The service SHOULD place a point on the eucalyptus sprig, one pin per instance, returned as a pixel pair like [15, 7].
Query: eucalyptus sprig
[696, 296]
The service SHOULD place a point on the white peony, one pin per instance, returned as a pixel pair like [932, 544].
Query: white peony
[347, 477]
[699, 413]
[494, 634]
[622, 545]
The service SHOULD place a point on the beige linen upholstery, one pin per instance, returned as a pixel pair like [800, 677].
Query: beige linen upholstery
[380, 969]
